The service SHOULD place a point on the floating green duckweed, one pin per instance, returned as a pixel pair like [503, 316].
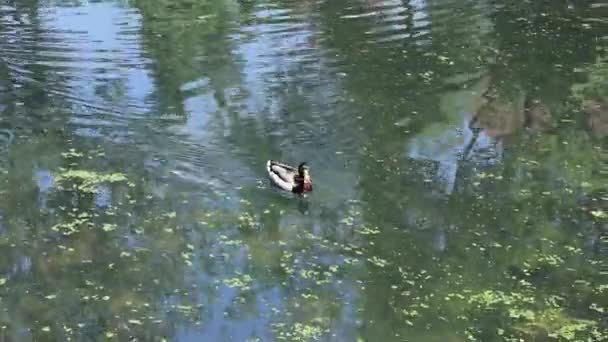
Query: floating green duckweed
[300, 332]
[529, 319]
[369, 231]
[378, 261]
[248, 221]
[87, 181]
[72, 154]
[599, 214]
[243, 282]
[107, 227]
[69, 228]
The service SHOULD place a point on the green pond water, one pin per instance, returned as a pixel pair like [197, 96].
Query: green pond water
[458, 149]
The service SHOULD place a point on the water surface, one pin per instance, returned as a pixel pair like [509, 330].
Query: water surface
[458, 151]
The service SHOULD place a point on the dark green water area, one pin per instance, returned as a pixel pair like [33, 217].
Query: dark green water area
[458, 149]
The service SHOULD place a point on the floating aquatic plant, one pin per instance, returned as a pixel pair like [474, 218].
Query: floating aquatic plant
[241, 282]
[299, 332]
[87, 181]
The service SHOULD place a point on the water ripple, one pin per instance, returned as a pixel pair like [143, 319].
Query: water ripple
[95, 62]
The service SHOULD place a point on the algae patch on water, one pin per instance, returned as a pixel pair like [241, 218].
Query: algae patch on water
[298, 332]
[530, 318]
[242, 282]
[87, 181]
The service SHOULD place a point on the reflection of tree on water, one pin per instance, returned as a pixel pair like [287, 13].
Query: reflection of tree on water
[593, 95]
[255, 96]
[141, 263]
[511, 100]
[521, 91]
[598, 116]
[79, 271]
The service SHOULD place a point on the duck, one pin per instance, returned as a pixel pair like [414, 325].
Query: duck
[289, 178]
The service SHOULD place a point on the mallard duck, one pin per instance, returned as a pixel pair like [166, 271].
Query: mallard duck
[289, 178]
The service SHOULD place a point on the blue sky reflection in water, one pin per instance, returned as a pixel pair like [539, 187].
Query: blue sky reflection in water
[458, 152]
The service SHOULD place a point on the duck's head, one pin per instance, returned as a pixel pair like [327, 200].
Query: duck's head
[304, 170]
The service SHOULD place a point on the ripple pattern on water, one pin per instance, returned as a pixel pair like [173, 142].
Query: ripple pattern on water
[93, 54]
[417, 118]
